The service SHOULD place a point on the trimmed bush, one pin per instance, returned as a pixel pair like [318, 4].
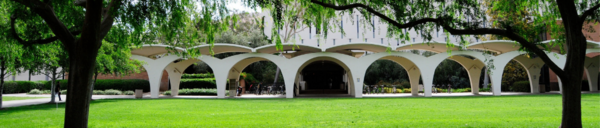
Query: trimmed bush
[195, 91]
[197, 83]
[406, 90]
[98, 92]
[46, 92]
[21, 86]
[202, 75]
[128, 93]
[521, 86]
[63, 92]
[112, 92]
[35, 92]
[484, 90]
[118, 84]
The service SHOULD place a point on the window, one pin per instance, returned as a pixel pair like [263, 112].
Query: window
[349, 40]
[381, 40]
[413, 39]
[333, 41]
[302, 40]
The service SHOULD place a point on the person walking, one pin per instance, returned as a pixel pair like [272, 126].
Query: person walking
[57, 90]
[258, 88]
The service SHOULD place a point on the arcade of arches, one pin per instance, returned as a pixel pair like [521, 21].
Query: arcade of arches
[341, 69]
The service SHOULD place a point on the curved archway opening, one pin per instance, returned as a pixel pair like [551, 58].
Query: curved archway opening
[450, 76]
[255, 76]
[515, 78]
[323, 77]
[196, 79]
[386, 76]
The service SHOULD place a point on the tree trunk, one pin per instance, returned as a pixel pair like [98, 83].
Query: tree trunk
[29, 75]
[82, 58]
[2, 69]
[486, 79]
[94, 83]
[53, 86]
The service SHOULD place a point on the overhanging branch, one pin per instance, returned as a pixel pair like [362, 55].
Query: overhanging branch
[40, 41]
[588, 12]
[109, 18]
[453, 31]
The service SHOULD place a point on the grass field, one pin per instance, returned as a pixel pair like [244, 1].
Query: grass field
[483, 111]
[10, 98]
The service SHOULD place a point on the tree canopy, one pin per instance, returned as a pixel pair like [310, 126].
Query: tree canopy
[564, 19]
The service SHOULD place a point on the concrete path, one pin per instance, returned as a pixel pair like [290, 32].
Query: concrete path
[17, 103]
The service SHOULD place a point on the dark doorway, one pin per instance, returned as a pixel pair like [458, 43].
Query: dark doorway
[324, 77]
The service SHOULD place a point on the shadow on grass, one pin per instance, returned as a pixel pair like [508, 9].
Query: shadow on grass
[45, 106]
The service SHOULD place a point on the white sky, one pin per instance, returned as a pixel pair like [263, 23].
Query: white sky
[239, 5]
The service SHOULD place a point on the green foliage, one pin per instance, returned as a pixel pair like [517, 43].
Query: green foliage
[114, 60]
[63, 92]
[513, 72]
[406, 90]
[194, 91]
[112, 92]
[386, 71]
[521, 86]
[20, 86]
[35, 91]
[118, 84]
[98, 92]
[451, 72]
[198, 83]
[128, 93]
[485, 90]
[202, 75]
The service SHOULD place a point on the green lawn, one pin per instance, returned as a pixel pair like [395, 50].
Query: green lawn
[11, 98]
[483, 111]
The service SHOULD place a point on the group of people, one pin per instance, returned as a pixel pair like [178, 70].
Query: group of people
[374, 89]
[259, 89]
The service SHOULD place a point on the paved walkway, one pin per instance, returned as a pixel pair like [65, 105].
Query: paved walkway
[17, 103]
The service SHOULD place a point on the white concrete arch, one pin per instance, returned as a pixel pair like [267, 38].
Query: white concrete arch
[533, 67]
[498, 46]
[343, 48]
[351, 88]
[404, 59]
[176, 70]
[473, 68]
[232, 66]
[591, 67]
[433, 46]
[429, 65]
[499, 62]
[221, 48]
[299, 49]
[350, 62]
[154, 68]
[153, 49]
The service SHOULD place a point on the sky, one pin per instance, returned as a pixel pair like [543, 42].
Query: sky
[239, 5]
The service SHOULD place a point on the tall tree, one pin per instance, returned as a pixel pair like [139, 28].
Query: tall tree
[564, 18]
[81, 25]
[116, 61]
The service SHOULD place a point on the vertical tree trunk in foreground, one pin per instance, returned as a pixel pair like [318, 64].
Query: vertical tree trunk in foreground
[571, 80]
[2, 69]
[82, 58]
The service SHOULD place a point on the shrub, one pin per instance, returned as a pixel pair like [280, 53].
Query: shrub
[195, 91]
[405, 84]
[406, 90]
[128, 93]
[112, 92]
[118, 84]
[98, 92]
[202, 75]
[521, 86]
[63, 91]
[35, 91]
[399, 91]
[20, 86]
[484, 90]
[46, 92]
[197, 83]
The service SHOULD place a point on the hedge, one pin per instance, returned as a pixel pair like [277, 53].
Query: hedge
[198, 83]
[118, 84]
[521, 86]
[21, 86]
[104, 84]
[195, 91]
[203, 75]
